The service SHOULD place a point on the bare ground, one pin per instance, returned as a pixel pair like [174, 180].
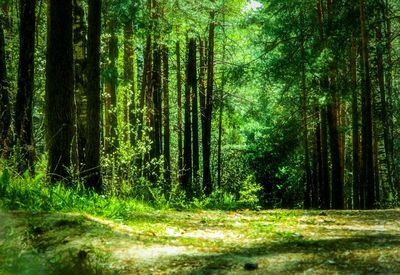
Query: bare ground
[202, 242]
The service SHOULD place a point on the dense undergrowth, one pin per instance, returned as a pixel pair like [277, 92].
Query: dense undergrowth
[36, 195]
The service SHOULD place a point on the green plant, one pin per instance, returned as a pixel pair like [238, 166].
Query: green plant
[250, 193]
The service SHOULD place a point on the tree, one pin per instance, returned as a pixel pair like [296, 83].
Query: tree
[207, 184]
[179, 101]
[385, 116]
[367, 173]
[308, 202]
[355, 125]
[157, 102]
[333, 116]
[129, 78]
[111, 83]
[192, 79]
[80, 63]
[93, 178]
[5, 112]
[23, 111]
[146, 94]
[166, 120]
[156, 86]
[187, 144]
[59, 89]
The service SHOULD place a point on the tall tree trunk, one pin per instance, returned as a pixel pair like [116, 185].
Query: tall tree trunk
[129, 78]
[59, 89]
[93, 178]
[317, 162]
[383, 104]
[146, 115]
[207, 183]
[325, 186]
[308, 199]
[111, 83]
[334, 115]
[221, 108]
[147, 91]
[5, 108]
[23, 112]
[157, 101]
[167, 156]
[187, 145]
[367, 175]
[156, 151]
[389, 89]
[179, 99]
[195, 124]
[80, 62]
[335, 150]
[202, 96]
[355, 126]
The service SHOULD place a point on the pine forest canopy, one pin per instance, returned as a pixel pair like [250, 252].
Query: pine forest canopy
[273, 103]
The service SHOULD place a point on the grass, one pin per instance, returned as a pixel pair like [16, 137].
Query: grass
[33, 194]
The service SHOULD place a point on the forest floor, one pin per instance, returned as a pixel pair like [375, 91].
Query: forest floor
[202, 242]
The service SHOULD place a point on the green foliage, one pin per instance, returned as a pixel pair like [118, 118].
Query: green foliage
[246, 198]
[33, 194]
[250, 193]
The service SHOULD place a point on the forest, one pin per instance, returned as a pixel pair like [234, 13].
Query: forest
[197, 134]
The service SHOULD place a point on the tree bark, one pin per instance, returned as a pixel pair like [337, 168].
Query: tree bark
[5, 108]
[325, 185]
[157, 101]
[194, 108]
[187, 146]
[383, 104]
[355, 125]
[179, 99]
[23, 112]
[59, 89]
[146, 102]
[335, 149]
[367, 175]
[93, 174]
[207, 182]
[166, 106]
[129, 78]
[202, 96]
[308, 199]
[317, 162]
[80, 63]
[111, 83]
[389, 89]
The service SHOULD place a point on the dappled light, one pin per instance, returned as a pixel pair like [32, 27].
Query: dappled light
[278, 241]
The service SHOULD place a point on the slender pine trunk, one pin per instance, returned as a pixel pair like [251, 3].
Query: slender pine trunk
[5, 108]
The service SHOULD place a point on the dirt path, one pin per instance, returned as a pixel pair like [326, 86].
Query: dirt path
[205, 242]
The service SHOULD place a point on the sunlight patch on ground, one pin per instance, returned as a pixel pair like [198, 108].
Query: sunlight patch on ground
[150, 253]
[279, 241]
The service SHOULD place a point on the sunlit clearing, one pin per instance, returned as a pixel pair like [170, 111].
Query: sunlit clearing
[252, 6]
[149, 253]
